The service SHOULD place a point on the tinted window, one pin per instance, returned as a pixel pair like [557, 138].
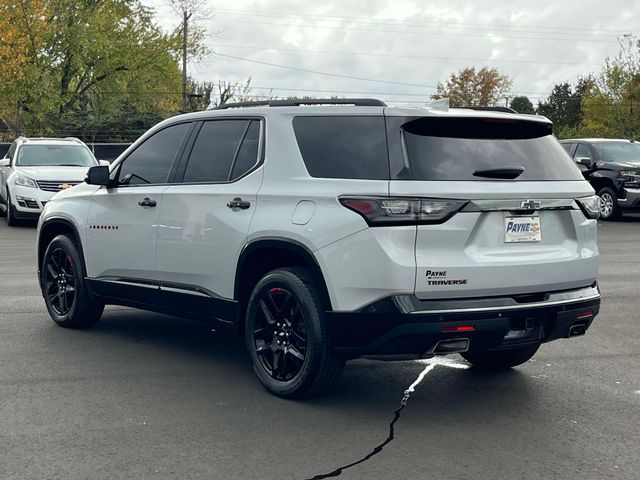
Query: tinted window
[214, 150]
[567, 147]
[343, 147]
[453, 149]
[583, 152]
[151, 161]
[248, 153]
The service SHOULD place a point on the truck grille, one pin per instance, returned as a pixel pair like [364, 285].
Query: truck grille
[56, 186]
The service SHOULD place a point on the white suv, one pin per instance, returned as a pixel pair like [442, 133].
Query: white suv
[35, 169]
[327, 232]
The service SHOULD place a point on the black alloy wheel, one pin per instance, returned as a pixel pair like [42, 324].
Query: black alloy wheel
[287, 335]
[60, 281]
[279, 334]
[64, 288]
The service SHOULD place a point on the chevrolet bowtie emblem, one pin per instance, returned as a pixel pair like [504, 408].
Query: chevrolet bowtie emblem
[530, 204]
[63, 186]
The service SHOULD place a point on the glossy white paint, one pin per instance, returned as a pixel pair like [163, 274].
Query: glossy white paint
[121, 235]
[303, 212]
[200, 238]
[369, 265]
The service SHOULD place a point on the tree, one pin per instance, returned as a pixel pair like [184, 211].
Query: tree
[471, 87]
[612, 106]
[522, 105]
[232, 92]
[84, 59]
[564, 105]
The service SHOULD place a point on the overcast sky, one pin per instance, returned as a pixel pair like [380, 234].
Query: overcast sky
[406, 46]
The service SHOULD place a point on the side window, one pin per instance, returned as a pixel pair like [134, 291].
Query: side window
[248, 153]
[567, 147]
[213, 152]
[343, 147]
[151, 161]
[583, 152]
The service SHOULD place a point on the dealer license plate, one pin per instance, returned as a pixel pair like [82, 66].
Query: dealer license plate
[522, 229]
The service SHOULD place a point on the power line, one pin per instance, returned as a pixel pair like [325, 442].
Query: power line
[330, 74]
[415, 32]
[447, 24]
[390, 55]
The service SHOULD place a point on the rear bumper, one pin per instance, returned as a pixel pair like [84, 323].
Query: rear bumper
[406, 325]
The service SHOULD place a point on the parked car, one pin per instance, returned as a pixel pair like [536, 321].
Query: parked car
[612, 166]
[35, 169]
[327, 232]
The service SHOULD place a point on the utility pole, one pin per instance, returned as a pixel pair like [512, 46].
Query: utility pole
[185, 22]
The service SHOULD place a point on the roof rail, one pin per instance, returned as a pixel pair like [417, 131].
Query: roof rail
[491, 109]
[358, 102]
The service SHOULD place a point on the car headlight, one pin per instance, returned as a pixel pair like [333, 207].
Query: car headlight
[631, 175]
[25, 181]
[590, 206]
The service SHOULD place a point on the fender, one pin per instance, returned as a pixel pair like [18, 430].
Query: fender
[281, 243]
[68, 224]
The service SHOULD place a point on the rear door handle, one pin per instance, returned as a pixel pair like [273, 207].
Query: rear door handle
[239, 203]
[147, 202]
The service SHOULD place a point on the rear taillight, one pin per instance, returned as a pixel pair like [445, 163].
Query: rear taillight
[381, 211]
[590, 206]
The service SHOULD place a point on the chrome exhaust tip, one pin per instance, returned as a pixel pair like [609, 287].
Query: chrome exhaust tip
[451, 345]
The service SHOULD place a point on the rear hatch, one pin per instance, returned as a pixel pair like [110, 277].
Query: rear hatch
[514, 226]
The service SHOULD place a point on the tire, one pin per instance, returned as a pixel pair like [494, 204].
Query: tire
[12, 221]
[287, 306]
[609, 208]
[501, 359]
[3, 213]
[62, 271]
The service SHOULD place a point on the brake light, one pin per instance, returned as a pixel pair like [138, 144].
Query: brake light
[459, 328]
[380, 211]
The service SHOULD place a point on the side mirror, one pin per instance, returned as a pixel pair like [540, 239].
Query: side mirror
[586, 161]
[5, 162]
[98, 175]
[106, 163]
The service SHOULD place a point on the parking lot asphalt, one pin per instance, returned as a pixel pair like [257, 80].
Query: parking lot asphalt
[148, 396]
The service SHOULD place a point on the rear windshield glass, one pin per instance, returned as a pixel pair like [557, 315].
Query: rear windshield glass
[455, 149]
[55, 155]
[343, 147]
[619, 151]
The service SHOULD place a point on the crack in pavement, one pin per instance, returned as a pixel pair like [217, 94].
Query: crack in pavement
[431, 364]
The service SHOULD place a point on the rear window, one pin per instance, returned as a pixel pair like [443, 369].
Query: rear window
[455, 148]
[343, 147]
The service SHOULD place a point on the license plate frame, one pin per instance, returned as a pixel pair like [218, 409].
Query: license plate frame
[522, 229]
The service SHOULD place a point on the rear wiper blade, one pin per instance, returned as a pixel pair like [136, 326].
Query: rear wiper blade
[500, 172]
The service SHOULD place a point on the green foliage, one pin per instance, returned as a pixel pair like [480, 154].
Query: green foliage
[612, 108]
[564, 105]
[522, 105]
[82, 61]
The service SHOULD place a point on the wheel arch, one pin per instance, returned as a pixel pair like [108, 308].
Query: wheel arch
[261, 256]
[602, 181]
[51, 228]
